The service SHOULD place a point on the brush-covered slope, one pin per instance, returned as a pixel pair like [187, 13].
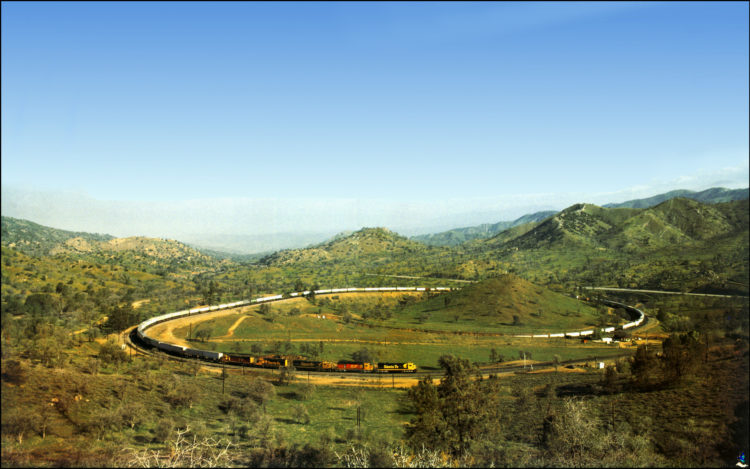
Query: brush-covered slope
[138, 253]
[367, 244]
[32, 238]
[579, 225]
[507, 303]
[680, 244]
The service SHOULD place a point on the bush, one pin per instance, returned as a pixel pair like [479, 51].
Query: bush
[111, 353]
[164, 430]
[14, 372]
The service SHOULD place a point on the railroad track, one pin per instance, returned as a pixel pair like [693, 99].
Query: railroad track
[143, 344]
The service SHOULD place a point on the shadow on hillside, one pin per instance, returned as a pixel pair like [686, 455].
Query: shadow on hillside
[286, 420]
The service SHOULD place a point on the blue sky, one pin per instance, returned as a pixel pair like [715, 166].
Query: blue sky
[404, 102]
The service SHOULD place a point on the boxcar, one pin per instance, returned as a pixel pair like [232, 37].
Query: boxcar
[307, 364]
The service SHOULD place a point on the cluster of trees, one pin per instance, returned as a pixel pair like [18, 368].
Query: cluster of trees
[464, 417]
[679, 358]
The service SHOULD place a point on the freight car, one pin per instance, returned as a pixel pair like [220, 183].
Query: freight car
[313, 365]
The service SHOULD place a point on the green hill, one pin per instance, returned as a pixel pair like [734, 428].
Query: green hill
[137, 253]
[34, 239]
[369, 244]
[506, 303]
[680, 244]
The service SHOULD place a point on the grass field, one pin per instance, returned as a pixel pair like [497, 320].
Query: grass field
[296, 323]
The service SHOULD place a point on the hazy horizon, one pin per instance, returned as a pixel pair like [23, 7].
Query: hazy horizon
[257, 119]
[258, 225]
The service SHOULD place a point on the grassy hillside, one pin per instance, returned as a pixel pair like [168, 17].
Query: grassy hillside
[36, 239]
[508, 304]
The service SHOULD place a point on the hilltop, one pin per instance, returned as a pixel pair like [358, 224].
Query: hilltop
[371, 244]
[508, 303]
[680, 244]
[137, 253]
[35, 239]
[674, 221]
[459, 236]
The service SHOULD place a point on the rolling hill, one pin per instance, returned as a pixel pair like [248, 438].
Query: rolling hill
[458, 236]
[367, 244]
[32, 238]
[506, 303]
[138, 253]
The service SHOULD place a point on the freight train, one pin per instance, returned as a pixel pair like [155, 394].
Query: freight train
[313, 365]
[274, 361]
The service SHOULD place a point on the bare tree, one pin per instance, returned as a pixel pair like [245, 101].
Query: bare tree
[184, 451]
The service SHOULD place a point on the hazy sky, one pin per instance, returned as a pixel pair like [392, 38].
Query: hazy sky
[428, 104]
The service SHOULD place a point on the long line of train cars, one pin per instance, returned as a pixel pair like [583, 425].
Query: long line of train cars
[317, 365]
[313, 365]
[634, 311]
[268, 361]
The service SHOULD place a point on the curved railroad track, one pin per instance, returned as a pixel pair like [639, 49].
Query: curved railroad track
[141, 343]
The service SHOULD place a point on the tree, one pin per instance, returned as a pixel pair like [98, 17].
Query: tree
[260, 391]
[19, 422]
[681, 353]
[202, 334]
[644, 367]
[301, 415]
[456, 414]
[609, 380]
[121, 317]
[362, 355]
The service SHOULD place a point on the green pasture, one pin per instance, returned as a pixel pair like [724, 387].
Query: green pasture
[294, 327]
[333, 411]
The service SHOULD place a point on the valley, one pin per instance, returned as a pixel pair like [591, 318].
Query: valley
[68, 297]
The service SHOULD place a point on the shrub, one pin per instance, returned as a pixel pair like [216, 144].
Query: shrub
[14, 372]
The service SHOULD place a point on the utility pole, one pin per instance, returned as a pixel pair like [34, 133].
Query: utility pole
[223, 376]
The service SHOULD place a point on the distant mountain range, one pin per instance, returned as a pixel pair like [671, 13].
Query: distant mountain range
[461, 235]
[679, 244]
[486, 230]
[714, 195]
